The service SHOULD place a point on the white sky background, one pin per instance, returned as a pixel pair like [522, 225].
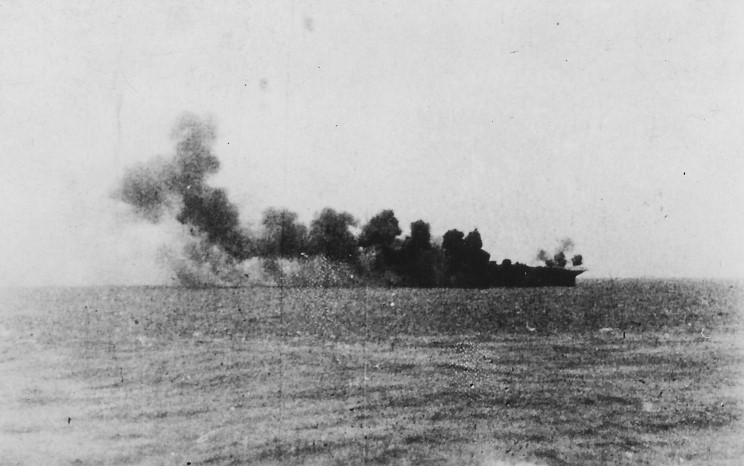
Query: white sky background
[617, 124]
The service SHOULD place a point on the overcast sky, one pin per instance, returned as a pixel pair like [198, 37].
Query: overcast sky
[617, 124]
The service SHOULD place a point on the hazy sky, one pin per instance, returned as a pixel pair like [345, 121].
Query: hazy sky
[618, 124]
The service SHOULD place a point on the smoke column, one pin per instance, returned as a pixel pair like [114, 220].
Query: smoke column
[166, 189]
[565, 246]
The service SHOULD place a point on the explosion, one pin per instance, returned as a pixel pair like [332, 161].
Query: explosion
[164, 190]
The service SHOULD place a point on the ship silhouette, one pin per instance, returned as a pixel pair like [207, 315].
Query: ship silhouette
[520, 275]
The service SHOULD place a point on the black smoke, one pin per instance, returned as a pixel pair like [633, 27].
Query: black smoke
[466, 263]
[175, 188]
[209, 247]
[559, 258]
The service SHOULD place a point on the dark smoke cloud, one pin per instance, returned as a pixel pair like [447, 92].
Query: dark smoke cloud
[558, 259]
[175, 188]
[160, 185]
[150, 190]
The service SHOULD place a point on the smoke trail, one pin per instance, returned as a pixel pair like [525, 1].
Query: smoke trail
[166, 189]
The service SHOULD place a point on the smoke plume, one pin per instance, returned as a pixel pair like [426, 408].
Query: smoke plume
[166, 189]
[542, 255]
[558, 259]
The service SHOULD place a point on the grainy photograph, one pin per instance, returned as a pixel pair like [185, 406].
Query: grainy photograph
[490, 233]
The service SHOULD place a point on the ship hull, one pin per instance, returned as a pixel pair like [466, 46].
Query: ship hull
[520, 275]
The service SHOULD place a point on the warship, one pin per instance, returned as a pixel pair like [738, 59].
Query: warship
[521, 275]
